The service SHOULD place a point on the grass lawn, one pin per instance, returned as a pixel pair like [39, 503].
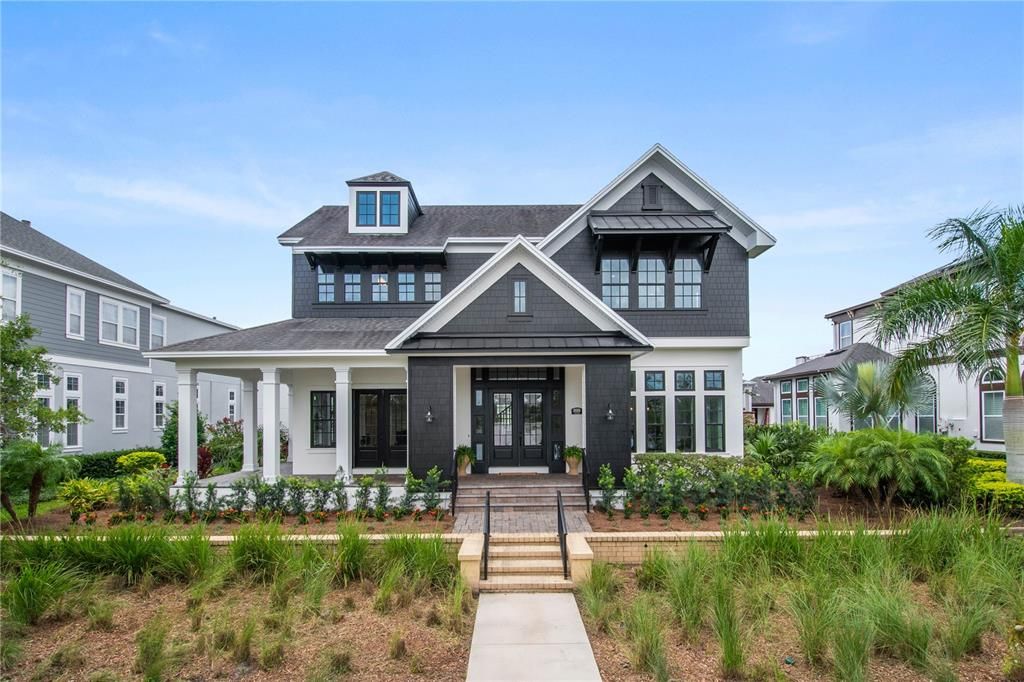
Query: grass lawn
[42, 509]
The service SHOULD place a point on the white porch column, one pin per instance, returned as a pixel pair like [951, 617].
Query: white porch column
[342, 419]
[249, 418]
[188, 456]
[271, 418]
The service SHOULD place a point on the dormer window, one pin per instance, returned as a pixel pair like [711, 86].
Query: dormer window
[652, 197]
[366, 203]
[389, 209]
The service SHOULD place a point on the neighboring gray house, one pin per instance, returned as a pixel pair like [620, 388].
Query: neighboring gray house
[95, 325]
[614, 325]
[759, 400]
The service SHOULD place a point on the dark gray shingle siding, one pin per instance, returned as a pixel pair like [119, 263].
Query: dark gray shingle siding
[633, 200]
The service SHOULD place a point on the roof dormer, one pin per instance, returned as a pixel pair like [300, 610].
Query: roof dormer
[381, 203]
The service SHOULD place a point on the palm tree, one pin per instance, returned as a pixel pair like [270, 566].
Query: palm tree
[866, 393]
[27, 465]
[972, 314]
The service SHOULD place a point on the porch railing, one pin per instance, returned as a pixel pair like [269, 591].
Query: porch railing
[453, 476]
[585, 468]
[487, 531]
[561, 535]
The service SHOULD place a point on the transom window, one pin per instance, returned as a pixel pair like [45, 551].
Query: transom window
[379, 287]
[366, 208]
[714, 380]
[651, 278]
[845, 333]
[406, 284]
[687, 287]
[615, 282]
[75, 313]
[431, 286]
[353, 287]
[324, 286]
[654, 381]
[519, 296]
[322, 422]
[119, 323]
[685, 380]
[11, 295]
[389, 214]
[157, 331]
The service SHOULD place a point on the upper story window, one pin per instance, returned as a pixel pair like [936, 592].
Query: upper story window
[119, 323]
[11, 295]
[688, 274]
[431, 286]
[406, 286]
[366, 208]
[652, 197]
[519, 296]
[379, 287]
[157, 331]
[651, 278]
[389, 214]
[845, 334]
[353, 287]
[786, 387]
[802, 385]
[654, 380]
[324, 286]
[615, 282]
[75, 319]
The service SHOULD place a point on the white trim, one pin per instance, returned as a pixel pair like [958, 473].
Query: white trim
[669, 342]
[73, 291]
[984, 416]
[161, 400]
[163, 319]
[73, 395]
[99, 364]
[114, 397]
[487, 274]
[17, 288]
[198, 316]
[121, 306]
[158, 355]
[84, 275]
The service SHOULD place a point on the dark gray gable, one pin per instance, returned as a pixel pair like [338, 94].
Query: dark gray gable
[547, 312]
[633, 200]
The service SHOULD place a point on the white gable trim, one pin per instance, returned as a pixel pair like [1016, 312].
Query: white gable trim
[518, 251]
[680, 179]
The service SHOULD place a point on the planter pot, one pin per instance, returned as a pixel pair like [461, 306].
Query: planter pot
[469, 468]
[574, 465]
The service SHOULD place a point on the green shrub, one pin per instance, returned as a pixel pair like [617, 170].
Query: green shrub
[424, 561]
[140, 461]
[224, 441]
[102, 465]
[145, 492]
[994, 491]
[85, 494]
[782, 446]
[36, 588]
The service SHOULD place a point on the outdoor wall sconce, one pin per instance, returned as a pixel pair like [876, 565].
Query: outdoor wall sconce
[430, 414]
[610, 415]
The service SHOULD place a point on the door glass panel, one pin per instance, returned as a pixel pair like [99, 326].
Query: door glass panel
[502, 420]
[397, 421]
[533, 419]
[368, 420]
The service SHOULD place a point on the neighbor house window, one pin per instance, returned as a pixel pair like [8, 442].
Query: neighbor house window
[787, 410]
[43, 382]
[75, 319]
[685, 423]
[322, 422]
[926, 417]
[379, 287]
[802, 385]
[894, 421]
[353, 287]
[687, 288]
[820, 413]
[231, 405]
[366, 208]
[845, 333]
[615, 282]
[993, 393]
[651, 278]
[120, 406]
[407, 286]
[324, 286]
[159, 405]
[11, 295]
[73, 400]
[714, 380]
[803, 411]
[655, 413]
[431, 286]
[389, 203]
[519, 296]
[714, 423]
[119, 323]
[654, 381]
[786, 387]
[157, 331]
[685, 380]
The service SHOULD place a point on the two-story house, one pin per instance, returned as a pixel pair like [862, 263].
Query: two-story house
[95, 325]
[615, 325]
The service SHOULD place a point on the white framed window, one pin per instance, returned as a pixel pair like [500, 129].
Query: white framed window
[845, 334]
[157, 331]
[803, 406]
[45, 397]
[73, 399]
[993, 395]
[925, 419]
[231, 405]
[119, 407]
[159, 405]
[519, 296]
[787, 410]
[11, 294]
[119, 323]
[75, 317]
[820, 413]
[431, 286]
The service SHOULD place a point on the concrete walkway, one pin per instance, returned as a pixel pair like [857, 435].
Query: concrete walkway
[530, 636]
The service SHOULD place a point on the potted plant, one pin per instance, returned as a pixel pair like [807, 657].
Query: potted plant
[573, 454]
[464, 457]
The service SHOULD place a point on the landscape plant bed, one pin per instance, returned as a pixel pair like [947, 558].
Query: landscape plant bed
[937, 602]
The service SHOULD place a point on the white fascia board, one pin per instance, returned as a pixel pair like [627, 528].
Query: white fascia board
[84, 275]
[666, 342]
[70, 361]
[288, 241]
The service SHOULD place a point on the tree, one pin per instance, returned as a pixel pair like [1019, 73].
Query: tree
[169, 437]
[21, 365]
[866, 393]
[27, 465]
[970, 314]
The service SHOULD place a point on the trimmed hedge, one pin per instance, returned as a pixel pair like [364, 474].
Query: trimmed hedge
[989, 486]
[103, 465]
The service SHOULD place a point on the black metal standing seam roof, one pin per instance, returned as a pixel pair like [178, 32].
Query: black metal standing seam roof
[18, 235]
[554, 342]
[662, 222]
[328, 225]
[858, 352]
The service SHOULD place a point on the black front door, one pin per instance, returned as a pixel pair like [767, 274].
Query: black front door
[379, 428]
[518, 418]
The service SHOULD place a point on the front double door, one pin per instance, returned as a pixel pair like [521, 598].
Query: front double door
[518, 426]
[380, 428]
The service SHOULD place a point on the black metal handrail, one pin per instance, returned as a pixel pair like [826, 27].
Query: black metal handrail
[487, 530]
[454, 478]
[561, 535]
[585, 467]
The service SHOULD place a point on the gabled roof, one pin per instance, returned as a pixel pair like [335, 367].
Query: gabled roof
[20, 239]
[519, 250]
[761, 391]
[381, 178]
[858, 352]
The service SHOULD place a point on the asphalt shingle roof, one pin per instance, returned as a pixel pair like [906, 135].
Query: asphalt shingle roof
[328, 225]
[17, 235]
[761, 391]
[858, 352]
[383, 177]
[327, 334]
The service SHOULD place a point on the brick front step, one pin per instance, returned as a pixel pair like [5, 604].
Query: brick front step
[525, 583]
[502, 551]
[524, 566]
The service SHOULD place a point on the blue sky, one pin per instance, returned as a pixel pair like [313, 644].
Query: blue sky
[173, 142]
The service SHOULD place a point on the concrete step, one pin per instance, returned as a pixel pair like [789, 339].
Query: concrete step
[524, 539]
[516, 506]
[524, 566]
[525, 583]
[524, 551]
[519, 492]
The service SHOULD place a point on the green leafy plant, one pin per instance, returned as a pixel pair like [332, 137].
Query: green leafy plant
[464, 456]
[726, 622]
[688, 589]
[27, 466]
[606, 482]
[36, 588]
[140, 461]
[599, 595]
[647, 639]
[85, 495]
